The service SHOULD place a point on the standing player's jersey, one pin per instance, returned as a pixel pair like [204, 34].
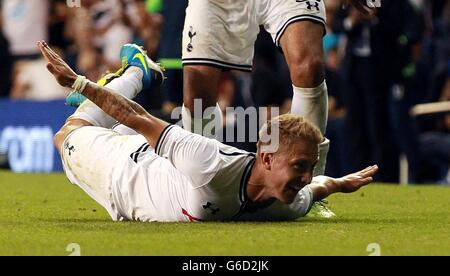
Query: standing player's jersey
[192, 178]
[222, 33]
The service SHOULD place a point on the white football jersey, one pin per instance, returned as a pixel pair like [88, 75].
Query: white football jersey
[192, 178]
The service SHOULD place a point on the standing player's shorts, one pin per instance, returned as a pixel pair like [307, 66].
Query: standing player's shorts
[222, 33]
[92, 159]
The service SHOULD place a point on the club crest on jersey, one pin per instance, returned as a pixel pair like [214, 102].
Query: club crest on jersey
[191, 35]
[208, 206]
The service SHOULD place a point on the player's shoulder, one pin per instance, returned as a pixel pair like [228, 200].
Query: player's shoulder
[233, 161]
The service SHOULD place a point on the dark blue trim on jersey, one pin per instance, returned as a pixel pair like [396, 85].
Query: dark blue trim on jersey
[132, 156]
[303, 17]
[115, 125]
[233, 153]
[246, 206]
[145, 148]
[162, 137]
[141, 149]
[216, 63]
[243, 187]
[244, 180]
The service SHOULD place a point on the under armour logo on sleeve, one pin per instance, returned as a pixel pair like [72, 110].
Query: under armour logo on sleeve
[70, 148]
[310, 5]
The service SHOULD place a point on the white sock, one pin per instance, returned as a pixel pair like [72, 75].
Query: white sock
[312, 104]
[128, 85]
[323, 152]
[208, 125]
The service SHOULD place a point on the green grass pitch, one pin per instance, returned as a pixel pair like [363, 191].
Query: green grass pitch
[43, 214]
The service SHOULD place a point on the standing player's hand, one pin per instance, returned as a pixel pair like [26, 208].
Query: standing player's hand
[62, 72]
[360, 5]
[352, 182]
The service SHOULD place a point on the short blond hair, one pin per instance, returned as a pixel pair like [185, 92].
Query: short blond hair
[292, 128]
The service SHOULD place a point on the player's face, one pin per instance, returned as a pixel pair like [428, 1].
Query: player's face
[293, 169]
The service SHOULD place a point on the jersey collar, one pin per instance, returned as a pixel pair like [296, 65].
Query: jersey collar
[244, 180]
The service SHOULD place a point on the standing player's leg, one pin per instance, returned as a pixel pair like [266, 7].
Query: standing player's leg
[298, 28]
[217, 36]
[200, 82]
[302, 47]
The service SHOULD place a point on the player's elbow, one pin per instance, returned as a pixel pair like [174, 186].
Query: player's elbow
[143, 123]
[138, 122]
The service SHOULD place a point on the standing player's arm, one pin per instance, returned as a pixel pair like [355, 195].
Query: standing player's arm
[346, 184]
[115, 105]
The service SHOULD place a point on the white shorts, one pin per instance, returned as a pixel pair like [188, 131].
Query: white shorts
[222, 33]
[91, 157]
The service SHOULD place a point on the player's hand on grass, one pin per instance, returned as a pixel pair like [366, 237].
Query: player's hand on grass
[352, 182]
[324, 186]
[62, 72]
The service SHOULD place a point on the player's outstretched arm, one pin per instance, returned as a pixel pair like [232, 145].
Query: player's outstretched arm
[115, 105]
[346, 184]
[126, 112]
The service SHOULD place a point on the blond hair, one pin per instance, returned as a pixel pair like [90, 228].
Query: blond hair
[291, 129]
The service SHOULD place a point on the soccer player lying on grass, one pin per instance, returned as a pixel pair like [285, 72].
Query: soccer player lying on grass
[169, 174]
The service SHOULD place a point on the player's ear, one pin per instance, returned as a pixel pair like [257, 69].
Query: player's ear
[266, 159]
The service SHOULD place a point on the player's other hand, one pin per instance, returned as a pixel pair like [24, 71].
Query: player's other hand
[62, 72]
[352, 182]
[360, 5]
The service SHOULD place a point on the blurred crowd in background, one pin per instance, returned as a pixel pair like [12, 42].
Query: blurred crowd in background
[378, 67]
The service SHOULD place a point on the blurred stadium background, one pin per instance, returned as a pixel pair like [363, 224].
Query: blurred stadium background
[379, 76]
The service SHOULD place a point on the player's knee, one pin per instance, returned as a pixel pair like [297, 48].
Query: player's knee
[69, 126]
[189, 104]
[307, 71]
[198, 102]
[58, 138]
[200, 86]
